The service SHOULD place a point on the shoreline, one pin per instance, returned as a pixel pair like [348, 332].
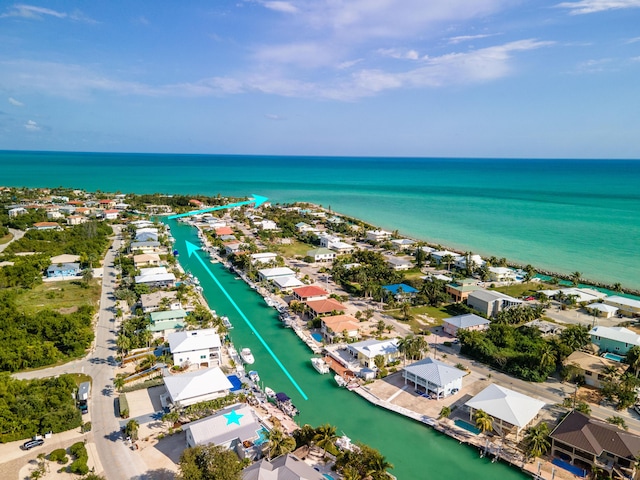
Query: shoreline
[510, 263]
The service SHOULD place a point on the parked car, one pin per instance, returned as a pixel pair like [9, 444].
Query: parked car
[28, 445]
[636, 407]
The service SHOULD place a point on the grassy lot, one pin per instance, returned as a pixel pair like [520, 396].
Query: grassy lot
[413, 274]
[6, 239]
[295, 249]
[519, 290]
[437, 313]
[59, 296]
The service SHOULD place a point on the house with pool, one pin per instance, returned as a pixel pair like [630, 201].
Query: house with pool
[593, 367]
[616, 340]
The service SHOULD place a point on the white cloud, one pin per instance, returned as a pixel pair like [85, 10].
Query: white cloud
[31, 126]
[273, 116]
[15, 103]
[595, 66]
[286, 7]
[39, 13]
[633, 40]
[582, 7]
[468, 38]
[399, 54]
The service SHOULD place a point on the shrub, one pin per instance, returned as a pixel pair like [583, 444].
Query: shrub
[79, 466]
[78, 450]
[123, 405]
[447, 344]
[86, 427]
[57, 455]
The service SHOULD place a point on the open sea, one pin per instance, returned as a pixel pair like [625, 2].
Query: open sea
[558, 215]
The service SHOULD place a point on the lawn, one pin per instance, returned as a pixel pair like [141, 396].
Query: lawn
[437, 313]
[59, 296]
[6, 239]
[295, 249]
[519, 290]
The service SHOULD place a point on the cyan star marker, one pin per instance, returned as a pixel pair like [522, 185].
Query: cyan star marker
[233, 417]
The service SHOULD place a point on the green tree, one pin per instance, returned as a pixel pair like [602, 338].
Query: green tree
[445, 412]
[118, 382]
[537, 440]
[325, 436]
[575, 277]
[484, 421]
[131, 429]
[633, 359]
[210, 462]
[619, 421]
[279, 443]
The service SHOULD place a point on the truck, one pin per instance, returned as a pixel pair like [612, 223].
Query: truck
[83, 396]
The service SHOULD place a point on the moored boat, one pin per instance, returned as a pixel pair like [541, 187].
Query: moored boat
[254, 377]
[320, 365]
[269, 392]
[247, 356]
[340, 381]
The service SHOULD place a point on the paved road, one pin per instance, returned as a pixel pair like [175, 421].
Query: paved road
[17, 235]
[118, 461]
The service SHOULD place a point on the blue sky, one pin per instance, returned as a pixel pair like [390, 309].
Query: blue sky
[481, 78]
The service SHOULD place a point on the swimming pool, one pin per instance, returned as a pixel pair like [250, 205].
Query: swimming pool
[467, 426]
[614, 357]
[262, 436]
[317, 337]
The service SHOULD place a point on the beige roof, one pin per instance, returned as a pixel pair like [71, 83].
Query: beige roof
[339, 323]
[593, 363]
[65, 258]
[146, 258]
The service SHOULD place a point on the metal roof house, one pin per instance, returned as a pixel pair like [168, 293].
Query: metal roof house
[434, 376]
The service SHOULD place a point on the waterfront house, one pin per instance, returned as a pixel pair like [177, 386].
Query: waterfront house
[502, 274]
[586, 295]
[185, 389]
[145, 247]
[439, 256]
[144, 259]
[321, 255]
[617, 340]
[220, 231]
[366, 351]
[377, 235]
[512, 412]
[196, 347]
[235, 428]
[271, 273]
[234, 246]
[475, 260]
[490, 302]
[398, 263]
[284, 467]
[602, 310]
[585, 442]
[159, 300]
[286, 284]
[400, 291]
[461, 289]
[167, 321]
[402, 243]
[333, 327]
[14, 212]
[263, 257]
[310, 293]
[155, 277]
[467, 321]
[323, 307]
[626, 306]
[593, 367]
[64, 270]
[434, 376]
[146, 234]
[107, 204]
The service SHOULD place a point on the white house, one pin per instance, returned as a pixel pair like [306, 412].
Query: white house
[287, 283]
[475, 260]
[263, 257]
[626, 306]
[434, 376]
[236, 428]
[14, 212]
[321, 255]
[441, 254]
[510, 410]
[502, 274]
[155, 277]
[398, 263]
[490, 302]
[152, 302]
[603, 310]
[185, 389]
[271, 273]
[284, 467]
[378, 235]
[267, 225]
[366, 351]
[402, 243]
[468, 321]
[196, 347]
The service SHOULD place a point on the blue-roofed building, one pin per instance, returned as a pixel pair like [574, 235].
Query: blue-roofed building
[400, 290]
[64, 270]
[468, 321]
[434, 376]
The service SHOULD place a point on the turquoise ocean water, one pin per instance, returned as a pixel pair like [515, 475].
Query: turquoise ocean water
[559, 215]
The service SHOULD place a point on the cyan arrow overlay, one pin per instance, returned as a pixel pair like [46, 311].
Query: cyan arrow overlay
[191, 248]
[257, 199]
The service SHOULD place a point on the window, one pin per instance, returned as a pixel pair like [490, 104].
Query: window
[203, 356]
[587, 372]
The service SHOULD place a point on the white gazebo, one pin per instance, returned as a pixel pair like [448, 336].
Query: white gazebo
[511, 409]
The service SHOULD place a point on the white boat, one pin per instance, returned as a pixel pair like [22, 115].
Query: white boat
[320, 365]
[254, 377]
[340, 381]
[269, 393]
[247, 356]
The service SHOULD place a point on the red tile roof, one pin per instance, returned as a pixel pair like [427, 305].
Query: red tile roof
[325, 306]
[224, 231]
[310, 291]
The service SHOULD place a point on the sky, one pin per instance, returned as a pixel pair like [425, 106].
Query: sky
[420, 78]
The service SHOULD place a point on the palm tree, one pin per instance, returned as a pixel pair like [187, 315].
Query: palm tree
[279, 443]
[448, 260]
[444, 412]
[633, 359]
[325, 436]
[537, 440]
[575, 277]
[547, 356]
[132, 428]
[619, 421]
[378, 466]
[380, 362]
[118, 382]
[406, 311]
[483, 420]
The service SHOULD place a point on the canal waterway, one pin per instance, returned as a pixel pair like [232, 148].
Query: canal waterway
[415, 450]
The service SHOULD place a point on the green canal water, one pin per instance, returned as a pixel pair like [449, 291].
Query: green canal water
[415, 450]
